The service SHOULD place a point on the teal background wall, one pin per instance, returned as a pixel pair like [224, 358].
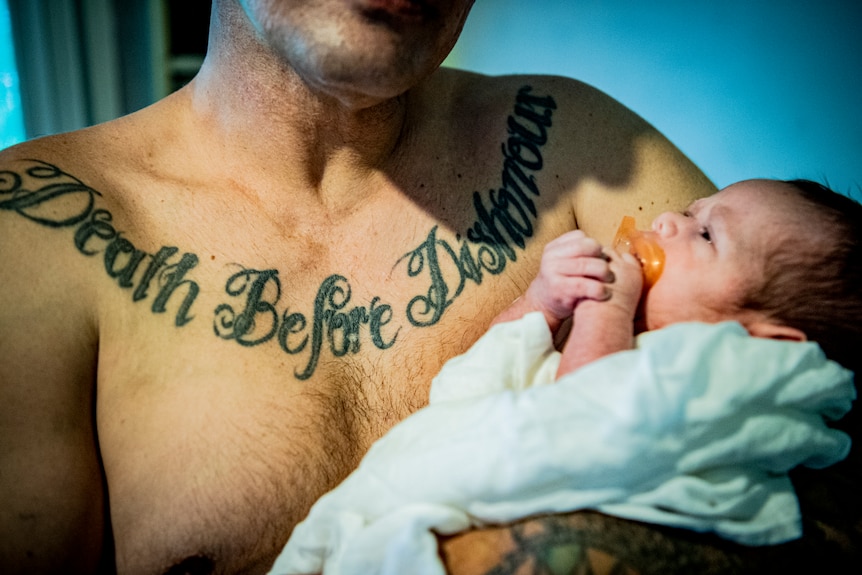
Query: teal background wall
[11, 118]
[746, 88]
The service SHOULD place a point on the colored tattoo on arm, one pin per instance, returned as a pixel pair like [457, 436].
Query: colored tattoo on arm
[46, 195]
[592, 543]
[555, 550]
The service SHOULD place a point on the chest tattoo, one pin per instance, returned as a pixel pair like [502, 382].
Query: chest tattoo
[504, 218]
[250, 314]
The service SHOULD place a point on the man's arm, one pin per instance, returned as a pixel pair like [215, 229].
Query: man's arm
[52, 503]
[624, 166]
[583, 542]
[589, 542]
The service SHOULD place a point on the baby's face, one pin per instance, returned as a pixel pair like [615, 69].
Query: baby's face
[715, 252]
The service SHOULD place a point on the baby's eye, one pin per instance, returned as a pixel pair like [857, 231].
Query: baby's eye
[704, 232]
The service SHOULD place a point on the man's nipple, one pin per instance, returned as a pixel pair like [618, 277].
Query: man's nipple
[195, 565]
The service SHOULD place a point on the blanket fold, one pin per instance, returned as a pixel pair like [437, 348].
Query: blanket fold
[696, 428]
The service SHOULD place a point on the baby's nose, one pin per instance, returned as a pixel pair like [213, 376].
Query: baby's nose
[665, 225]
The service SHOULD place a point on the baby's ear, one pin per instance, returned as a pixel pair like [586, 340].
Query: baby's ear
[771, 330]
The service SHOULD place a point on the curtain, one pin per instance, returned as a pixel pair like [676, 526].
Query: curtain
[82, 62]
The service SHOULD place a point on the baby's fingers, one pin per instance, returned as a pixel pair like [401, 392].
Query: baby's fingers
[624, 265]
[593, 267]
[583, 288]
[573, 244]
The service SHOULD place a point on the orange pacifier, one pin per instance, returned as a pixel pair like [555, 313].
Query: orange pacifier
[643, 246]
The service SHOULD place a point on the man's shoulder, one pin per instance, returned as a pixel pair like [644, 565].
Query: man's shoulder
[589, 126]
[42, 181]
[55, 181]
[573, 122]
[31, 171]
[14, 160]
[52, 199]
[573, 98]
[37, 199]
[593, 150]
[121, 146]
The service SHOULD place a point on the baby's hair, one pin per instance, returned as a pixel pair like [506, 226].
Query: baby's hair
[815, 283]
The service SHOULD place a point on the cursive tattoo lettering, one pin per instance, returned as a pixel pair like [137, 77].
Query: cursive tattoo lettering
[332, 322]
[504, 218]
[506, 221]
[245, 327]
[45, 194]
[252, 315]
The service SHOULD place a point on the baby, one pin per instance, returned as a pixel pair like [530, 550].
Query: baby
[661, 407]
[781, 258]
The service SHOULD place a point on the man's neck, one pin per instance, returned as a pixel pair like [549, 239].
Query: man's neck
[283, 124]
[253, 112]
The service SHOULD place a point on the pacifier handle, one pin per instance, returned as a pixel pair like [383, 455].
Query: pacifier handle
[643, 246]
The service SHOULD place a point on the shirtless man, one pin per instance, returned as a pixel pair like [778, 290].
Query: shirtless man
[212, 307]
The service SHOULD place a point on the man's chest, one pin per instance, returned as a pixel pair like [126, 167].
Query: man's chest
[238, 383]
[265, 394]
[370, 287]
[367, 326]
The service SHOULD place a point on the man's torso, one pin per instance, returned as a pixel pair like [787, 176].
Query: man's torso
[250, 352]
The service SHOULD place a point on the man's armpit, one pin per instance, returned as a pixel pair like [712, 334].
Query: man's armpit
[588, 542]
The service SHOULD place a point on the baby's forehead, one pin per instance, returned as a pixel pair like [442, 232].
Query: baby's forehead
[755, 217]
[750, 199]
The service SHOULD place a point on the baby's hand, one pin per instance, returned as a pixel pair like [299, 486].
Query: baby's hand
[623, 291]
[602, 327]
[573, 268]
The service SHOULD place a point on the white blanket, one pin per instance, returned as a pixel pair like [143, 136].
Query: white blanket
[696, 428]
